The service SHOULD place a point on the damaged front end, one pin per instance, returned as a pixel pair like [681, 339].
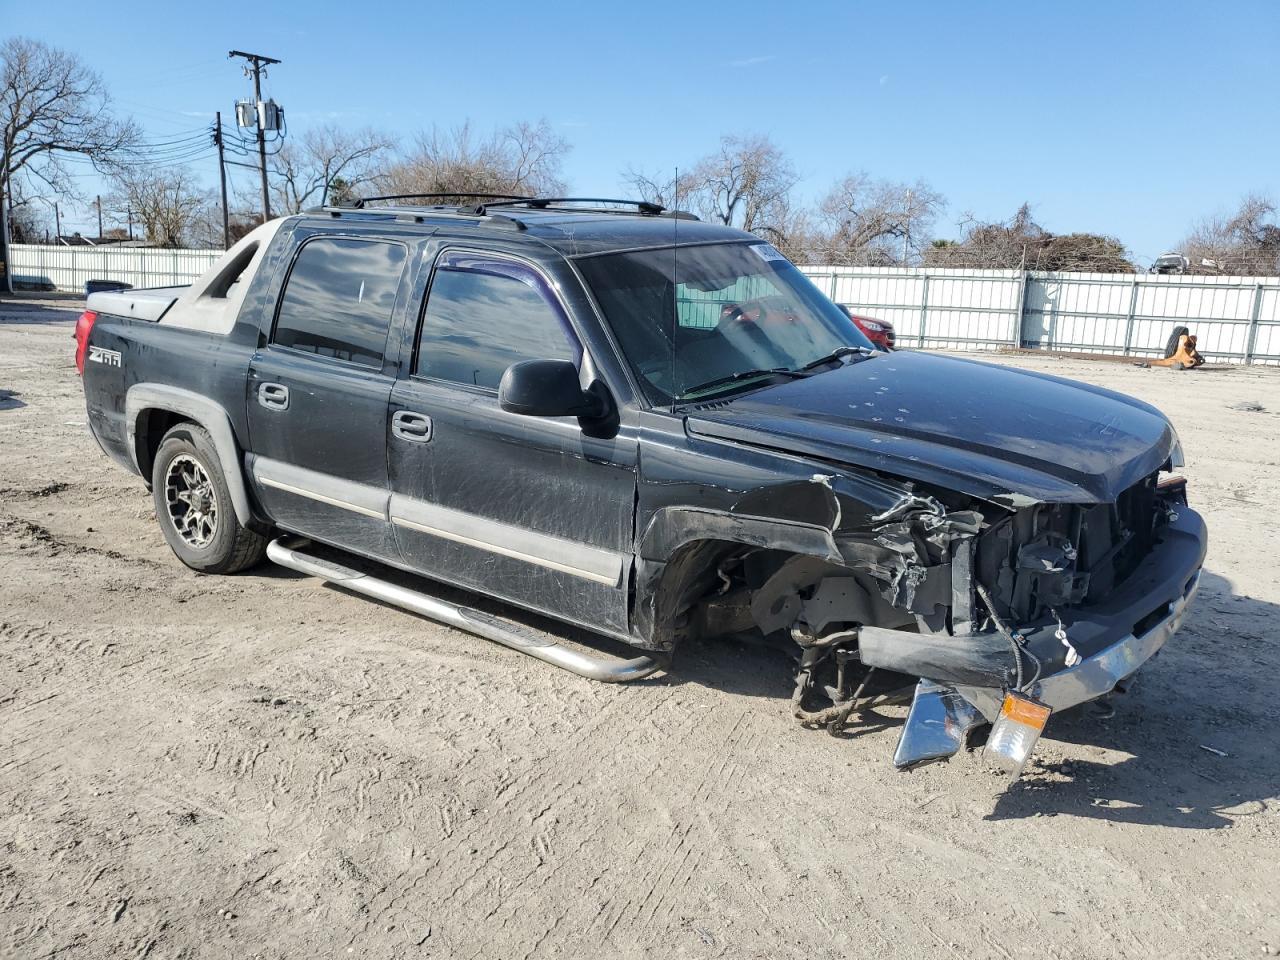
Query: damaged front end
[970, 600]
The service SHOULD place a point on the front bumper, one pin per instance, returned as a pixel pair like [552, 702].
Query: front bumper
[1098, 675]
[1119, 636]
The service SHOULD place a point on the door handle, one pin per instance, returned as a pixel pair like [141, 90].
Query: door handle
[414, 427]
[273, 396]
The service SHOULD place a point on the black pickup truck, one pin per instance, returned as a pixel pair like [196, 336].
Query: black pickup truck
[657, 429]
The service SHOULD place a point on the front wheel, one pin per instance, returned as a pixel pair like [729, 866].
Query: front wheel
[193, 505]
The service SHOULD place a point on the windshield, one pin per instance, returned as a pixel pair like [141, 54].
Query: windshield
[738, 310]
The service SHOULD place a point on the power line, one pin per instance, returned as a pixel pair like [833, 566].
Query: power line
[176, 142]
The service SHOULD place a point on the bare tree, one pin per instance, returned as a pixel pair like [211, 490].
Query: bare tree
[534, 154]
[792, 230]
[29, 221]
[1245, 243]
[1022, 244]
[204, 228]
[745, 183]
[306, 171]
[877, 222]
[748, 182]
[1013, 244]
[660, 188]
[524, 159]
[27, 224]
[52, 107]
[165, 201]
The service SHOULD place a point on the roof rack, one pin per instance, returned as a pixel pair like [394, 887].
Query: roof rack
[359, 202]
[643, 207]
[420, 214]
[410, 212]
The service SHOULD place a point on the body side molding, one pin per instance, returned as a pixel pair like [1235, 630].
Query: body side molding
[520, 543]
[361, 498]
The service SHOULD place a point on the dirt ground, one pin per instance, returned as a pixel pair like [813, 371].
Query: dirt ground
[262, 766]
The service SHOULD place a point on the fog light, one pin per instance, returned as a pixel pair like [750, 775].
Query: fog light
[1015, 732]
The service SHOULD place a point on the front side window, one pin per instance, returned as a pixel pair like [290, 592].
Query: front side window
[702, 320]
[482, 316]
[339, 298]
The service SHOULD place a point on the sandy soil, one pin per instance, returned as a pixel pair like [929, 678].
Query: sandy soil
[260, 766]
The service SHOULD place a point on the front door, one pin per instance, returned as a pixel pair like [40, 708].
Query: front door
[318, 391]
[528, 509]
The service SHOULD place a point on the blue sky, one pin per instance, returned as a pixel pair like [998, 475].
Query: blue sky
[1128, 119]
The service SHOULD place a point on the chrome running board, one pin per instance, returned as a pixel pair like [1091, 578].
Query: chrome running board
[288, 553]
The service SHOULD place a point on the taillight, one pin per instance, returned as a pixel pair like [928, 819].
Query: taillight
[84, 326]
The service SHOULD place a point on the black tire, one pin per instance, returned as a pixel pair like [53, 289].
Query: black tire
[201, 528]
[1171, 345]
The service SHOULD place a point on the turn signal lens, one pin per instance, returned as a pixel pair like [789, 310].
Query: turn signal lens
[1016, 730]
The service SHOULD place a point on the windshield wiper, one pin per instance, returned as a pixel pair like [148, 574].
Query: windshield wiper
[836, 354]
[741, 375]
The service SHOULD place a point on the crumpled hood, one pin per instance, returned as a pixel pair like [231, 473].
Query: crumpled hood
[990, 431]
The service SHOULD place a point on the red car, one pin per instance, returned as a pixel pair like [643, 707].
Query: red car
[879, 332]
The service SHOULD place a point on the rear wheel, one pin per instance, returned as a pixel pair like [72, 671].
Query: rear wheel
[193, 505]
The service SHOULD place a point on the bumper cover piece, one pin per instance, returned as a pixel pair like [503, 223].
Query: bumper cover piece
[1098, 675]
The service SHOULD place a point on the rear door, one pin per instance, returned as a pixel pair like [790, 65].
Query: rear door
[318, 391]
[529, 509]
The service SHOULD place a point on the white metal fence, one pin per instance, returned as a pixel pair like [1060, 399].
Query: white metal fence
[68, 268]
[1236, 318]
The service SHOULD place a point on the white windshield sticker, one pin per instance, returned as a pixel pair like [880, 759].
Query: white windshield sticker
[765, 251]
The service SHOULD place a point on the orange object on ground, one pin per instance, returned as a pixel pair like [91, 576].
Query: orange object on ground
[1185, 357]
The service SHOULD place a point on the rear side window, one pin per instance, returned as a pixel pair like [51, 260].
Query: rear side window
[339, 298]
[482, 319]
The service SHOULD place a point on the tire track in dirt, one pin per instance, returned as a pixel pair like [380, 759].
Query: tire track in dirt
[523, 798]
[663, 882]
[25, 532]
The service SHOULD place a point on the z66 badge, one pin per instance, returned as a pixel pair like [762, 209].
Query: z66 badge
[102, 355]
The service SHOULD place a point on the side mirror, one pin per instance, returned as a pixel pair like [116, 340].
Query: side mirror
[547, 388]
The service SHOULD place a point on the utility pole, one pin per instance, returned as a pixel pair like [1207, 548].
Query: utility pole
[129, 215]
[57, 223]
[99, 216]
[222, 176]
[257, 62]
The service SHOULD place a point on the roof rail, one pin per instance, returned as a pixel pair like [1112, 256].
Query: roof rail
[420, 214]
[359, 202]
[644, 207]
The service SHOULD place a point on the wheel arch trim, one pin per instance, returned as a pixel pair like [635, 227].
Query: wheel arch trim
[667, 561]
[143, 397]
